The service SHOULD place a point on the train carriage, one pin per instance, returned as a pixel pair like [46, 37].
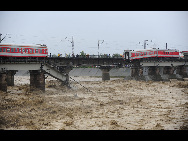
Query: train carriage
[151, 53]
[23, 50]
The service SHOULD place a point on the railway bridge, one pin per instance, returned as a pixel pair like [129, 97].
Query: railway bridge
[160, 70]
[59, 68]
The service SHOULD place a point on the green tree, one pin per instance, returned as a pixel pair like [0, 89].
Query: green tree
[83, 54]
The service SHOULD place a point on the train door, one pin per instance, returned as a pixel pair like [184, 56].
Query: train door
[127, 55]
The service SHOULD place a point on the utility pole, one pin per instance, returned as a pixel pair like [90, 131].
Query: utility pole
[72, 47]
[98, 46]
[72, 42]
[0, 37]
[145, 44]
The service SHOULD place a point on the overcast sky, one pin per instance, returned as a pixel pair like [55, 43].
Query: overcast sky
[120, 30]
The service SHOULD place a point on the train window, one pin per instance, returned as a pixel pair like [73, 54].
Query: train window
[12, 49]
[145, 53]
[16, 50]
[4, 49]
[40, 50]
[19, 49]
[8, 49]
[23, 50]
[31, 51]
[36, 50]
[0, 49]
[26, 50]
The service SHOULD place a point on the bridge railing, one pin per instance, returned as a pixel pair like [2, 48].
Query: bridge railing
[89, 56]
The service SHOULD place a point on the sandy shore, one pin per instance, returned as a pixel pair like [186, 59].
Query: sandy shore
[92, 104]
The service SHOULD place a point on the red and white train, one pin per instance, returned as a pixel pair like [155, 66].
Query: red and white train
[151, 53]
[23, 50]
[41, 50]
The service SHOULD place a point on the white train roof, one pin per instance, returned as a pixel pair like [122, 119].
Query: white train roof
[13, 44]
[151, 49]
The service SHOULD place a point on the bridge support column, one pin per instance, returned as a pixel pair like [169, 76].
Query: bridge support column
[10, 77]
[67, 80]
[182, 71]
[161, 70]
[105, 72]
[66, 70]
[170, 72]
[37, 80]
[154, 72]
[3, 82]
[145, 71]
[135, 71]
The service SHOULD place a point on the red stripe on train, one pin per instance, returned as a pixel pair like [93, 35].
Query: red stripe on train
[21, 56]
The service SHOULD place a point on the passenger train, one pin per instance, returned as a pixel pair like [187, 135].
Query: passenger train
[8, 50]
[151, 53]
[23, 50]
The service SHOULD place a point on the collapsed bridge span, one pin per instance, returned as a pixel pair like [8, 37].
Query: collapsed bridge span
[37, 74]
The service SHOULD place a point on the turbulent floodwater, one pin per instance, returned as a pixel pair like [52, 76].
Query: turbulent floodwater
[94, 104]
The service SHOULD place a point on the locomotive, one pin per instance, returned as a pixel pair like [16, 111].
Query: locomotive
[23, 50]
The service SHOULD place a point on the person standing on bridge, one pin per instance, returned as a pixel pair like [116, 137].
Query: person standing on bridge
[87, 56]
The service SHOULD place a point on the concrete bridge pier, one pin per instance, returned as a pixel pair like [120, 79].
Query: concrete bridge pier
[155, 73]
[10, 77]
[152, 73]
[3, 82]
[66, 82]
[135, 71]
[105, 72]
[65, 70]
[171, 72]
[182, 70]
[145, 71]
[37, 80]
[161, 70]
